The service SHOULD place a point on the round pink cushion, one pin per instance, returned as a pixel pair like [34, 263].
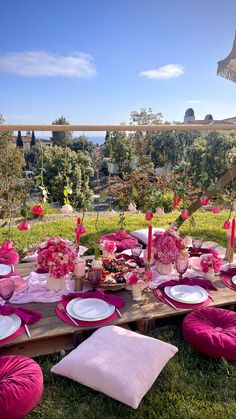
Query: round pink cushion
[212, 331]
[21, 386]
[122, 239]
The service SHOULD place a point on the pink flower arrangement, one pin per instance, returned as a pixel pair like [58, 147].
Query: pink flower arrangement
[80, 229]
[167, 245]
[57, 255]
[108, 246]
[211, 261]
[139, 277]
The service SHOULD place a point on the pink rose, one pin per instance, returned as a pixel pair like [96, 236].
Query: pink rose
[226, 225]
[37, 210]
[7, 246]
[185, 215]
[132, 279]
[204, 201]
[176, 201]
[215, 210]
[24, 225]
[149, 215]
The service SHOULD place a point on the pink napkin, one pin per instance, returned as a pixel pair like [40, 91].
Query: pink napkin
[198, 252]
[229, 271]
[116, 301]
[27, 316]
[204, 283]
[227, 281]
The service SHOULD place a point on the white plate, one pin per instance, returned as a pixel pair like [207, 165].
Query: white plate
[96, 316]
[9, 325]
[234, 279]
[5, 269]
[90, 308]
[187, 294]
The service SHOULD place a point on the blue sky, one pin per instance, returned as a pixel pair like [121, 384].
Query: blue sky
[95, 61]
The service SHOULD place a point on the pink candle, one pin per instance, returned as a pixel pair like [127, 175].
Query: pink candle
[149, 248]
[232, 236]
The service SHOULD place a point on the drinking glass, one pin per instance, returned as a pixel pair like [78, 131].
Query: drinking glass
[136, 250]
[94, 278]
[6, 289]
[181, 265]
[197, 243]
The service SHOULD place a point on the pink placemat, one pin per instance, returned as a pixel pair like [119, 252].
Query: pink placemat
[63, 316]
[19, 332]
[227, 281]
[177, 303]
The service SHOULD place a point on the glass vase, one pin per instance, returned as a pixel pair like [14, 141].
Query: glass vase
[163, 268]
[137, 292]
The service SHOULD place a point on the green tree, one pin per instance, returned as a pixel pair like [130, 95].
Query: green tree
[19, 141]
[119, 150]
[63, 168]
[13, 190]
[61, 138]
[33, 140]
[82, 143]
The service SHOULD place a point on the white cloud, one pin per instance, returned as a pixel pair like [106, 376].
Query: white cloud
[194, 102]
[41, 63]
[166, 72]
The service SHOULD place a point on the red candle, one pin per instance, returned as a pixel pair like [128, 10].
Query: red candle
[149, 248]
[232, 236]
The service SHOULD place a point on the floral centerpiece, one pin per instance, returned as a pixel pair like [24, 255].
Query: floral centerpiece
[211, 263]
[138, 279]
[58, 256]
[108, 248]
[167, 246]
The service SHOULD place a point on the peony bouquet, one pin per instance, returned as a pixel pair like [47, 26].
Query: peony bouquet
[167, 245]
[211, 261]
[57, 255]
[139, 277]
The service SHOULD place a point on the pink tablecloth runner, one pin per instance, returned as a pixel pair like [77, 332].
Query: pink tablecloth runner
[37, 292]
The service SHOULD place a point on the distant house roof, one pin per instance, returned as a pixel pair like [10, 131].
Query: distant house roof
[207, 120]
[189, 112]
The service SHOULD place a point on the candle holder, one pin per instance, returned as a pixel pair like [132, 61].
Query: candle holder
[229, 254]
[78, 283]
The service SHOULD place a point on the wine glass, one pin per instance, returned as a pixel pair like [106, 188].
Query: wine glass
[197, 244]
[181, 265]
[94, 278]
[6, 289]
[136, 251]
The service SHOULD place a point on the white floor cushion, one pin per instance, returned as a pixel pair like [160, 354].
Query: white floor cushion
[142, 235]
[117, 362]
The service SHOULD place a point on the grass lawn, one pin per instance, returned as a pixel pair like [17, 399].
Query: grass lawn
[190, 386]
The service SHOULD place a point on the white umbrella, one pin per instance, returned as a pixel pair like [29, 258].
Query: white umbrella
[227, 67]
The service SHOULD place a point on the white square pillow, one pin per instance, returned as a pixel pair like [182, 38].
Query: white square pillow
[117, 362]
[142, 235]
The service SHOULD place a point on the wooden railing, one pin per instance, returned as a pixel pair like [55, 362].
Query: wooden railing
[178, 127]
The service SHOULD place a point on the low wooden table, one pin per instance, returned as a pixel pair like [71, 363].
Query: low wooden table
[51, 334]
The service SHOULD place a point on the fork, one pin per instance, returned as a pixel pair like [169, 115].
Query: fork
[159, 293]
[62, 308]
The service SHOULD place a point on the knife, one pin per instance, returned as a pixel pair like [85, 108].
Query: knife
[27, 330]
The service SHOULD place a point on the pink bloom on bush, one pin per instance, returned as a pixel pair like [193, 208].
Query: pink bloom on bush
[37, 210]
[215, 210]
[24, 225]
[7, 246]
[185, 215]
[176, 201]
[80, 229]
[226, 225]
[204, 201]
[149, 215]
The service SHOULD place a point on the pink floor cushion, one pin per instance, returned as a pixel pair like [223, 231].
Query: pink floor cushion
[122, 239]
[212, 331]
[21, 386]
